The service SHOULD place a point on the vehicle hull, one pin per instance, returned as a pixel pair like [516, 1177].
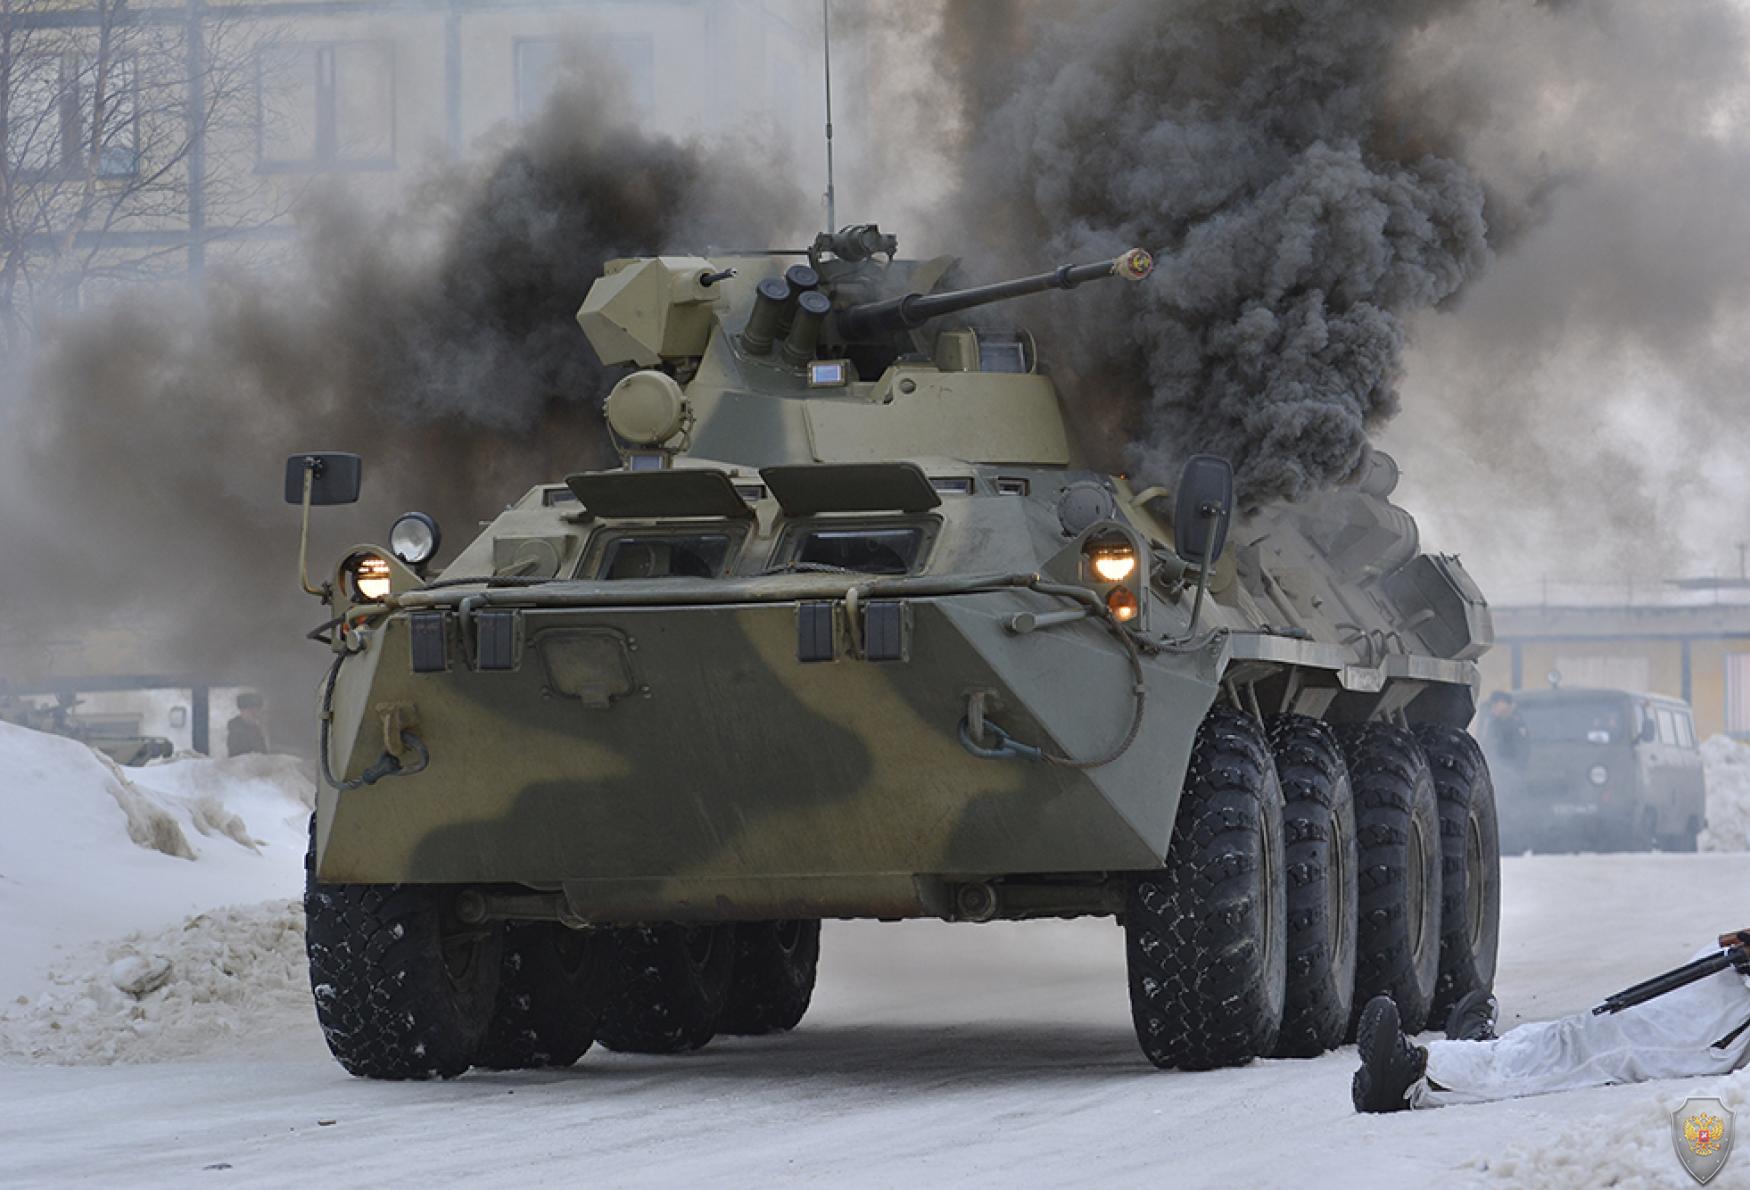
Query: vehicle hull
[728, 779]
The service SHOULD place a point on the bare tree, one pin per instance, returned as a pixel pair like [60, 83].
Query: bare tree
[105, 112]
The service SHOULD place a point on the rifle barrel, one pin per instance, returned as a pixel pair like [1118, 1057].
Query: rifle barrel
[1670, 981]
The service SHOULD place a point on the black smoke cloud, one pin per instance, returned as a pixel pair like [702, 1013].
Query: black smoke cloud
[1259, 149]
[436, 338]
[1521, 224]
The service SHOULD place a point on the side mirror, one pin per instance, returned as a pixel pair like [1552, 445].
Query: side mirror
[1202, 508]
[1649, 729]
[334, 477]
[327, 477]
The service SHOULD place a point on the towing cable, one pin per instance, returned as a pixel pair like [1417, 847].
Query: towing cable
[387, 765]
[974, 726]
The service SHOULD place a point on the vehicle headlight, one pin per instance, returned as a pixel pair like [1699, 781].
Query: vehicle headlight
[1599, 774]
[1113, 563]
[415, 538]
[367, 577]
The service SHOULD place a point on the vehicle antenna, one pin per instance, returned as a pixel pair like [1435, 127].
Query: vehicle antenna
[826, 49]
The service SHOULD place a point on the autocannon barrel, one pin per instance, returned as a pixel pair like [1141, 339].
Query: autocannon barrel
[869, 319]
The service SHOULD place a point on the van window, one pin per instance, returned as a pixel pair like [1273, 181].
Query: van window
[1667, 726]
[1577, 720]
[1685, 730]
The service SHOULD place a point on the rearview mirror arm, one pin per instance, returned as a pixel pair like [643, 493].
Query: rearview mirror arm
[323, 591]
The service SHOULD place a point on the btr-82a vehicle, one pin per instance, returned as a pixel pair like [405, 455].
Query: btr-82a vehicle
[855, 632]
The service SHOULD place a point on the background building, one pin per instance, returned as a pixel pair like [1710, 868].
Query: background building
[141, 140]
[1690, 640]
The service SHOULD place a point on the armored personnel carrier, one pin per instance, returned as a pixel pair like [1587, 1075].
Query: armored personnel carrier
[855, 632]
[116, 736]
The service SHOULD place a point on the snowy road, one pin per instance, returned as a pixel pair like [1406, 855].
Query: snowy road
[985, 1055]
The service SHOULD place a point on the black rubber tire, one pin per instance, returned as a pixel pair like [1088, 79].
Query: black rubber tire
[1320, 865]
[550, 993]
[1688, 839]
[668, 987]
[391, 1004]
[1470, 868]
[1398, 867]
[775, 962]
[1206, 934]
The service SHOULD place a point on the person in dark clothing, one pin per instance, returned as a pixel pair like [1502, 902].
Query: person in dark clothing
[244, 732]
[1504, 732]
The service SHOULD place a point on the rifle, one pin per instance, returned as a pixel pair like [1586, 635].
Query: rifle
[1734, 951]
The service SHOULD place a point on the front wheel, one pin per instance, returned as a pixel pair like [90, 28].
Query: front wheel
[404, 988]
[549, 998]
[775, 962]
[1206, 934]
[669, 985]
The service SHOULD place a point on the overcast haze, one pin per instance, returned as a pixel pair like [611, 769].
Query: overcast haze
[1506, 240]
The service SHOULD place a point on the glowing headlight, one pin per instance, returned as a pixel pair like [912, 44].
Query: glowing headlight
[1114, 564]
[1122, 603]
[1599, 774]
[415, 538]
[368, 576]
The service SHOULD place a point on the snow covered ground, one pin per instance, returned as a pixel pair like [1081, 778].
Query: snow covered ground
[91, 850]
[999, 1054]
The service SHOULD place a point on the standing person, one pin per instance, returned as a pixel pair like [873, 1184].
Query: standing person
[1504, 732]
[244, 732]
[1699, 1029]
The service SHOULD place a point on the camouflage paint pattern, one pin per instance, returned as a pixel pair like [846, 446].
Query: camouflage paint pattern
[658, 750]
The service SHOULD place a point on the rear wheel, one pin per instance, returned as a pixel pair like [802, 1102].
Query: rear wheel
[1397, 832]
[669, 985]
[549, 998]
[1688, 839]
[773, 982]
[404, 989]
[1470, 869]
[1319, 850]
[1648, 837]
[1206, 935]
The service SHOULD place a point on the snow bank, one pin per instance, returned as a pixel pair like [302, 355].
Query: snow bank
[1630, 1146]
[208, 985]
[91, 851]
[1728, 795]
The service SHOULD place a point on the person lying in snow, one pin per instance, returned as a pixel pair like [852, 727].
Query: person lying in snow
[1698, 1029]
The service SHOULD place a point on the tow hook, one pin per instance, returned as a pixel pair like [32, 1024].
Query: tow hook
[987, 741]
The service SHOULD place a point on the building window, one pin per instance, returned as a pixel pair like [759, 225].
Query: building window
[541, 62]
[326, 107]
[55, 125]
[1738, 693]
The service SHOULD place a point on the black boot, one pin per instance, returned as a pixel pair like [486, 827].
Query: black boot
[1473, 1017]
[1390, 1063]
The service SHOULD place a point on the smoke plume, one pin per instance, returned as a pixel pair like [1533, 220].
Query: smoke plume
[436, 338]
[1519, 223]
[1259, 150]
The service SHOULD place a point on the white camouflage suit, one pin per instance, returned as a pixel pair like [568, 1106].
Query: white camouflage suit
[1669, 1037]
